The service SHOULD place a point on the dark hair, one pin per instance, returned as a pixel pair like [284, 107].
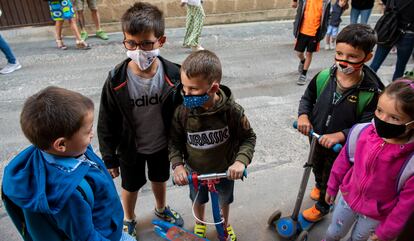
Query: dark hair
[203, 64]
[359, 36]
[403, 91]
[52, 113]
[143, 17]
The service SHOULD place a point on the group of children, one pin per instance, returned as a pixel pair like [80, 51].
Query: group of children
[154, 112]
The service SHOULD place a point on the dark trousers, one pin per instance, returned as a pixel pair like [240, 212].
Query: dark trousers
[404, 49]
[322, 162]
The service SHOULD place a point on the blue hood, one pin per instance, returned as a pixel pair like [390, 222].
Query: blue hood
[32, 183]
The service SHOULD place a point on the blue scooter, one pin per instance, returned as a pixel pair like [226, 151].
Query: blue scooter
[296, 225]
[172, 232]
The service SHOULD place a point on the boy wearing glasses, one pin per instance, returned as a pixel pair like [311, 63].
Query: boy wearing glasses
[137, 104]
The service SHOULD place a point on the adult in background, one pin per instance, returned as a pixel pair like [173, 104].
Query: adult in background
[12, 63]
[79, 6]
[405, 44]
[361, 8]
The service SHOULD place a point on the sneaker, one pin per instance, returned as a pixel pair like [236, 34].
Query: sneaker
[200, 230]
[197, 48]
[409, 74]
[332, 45]
[315, 194]
[300, 67]
[232, 235]
[171, 216]
[130, 227]
[9, 68]
[327, 47]
[301, 80]
[313, 214]
[84, 35]
[102, 35]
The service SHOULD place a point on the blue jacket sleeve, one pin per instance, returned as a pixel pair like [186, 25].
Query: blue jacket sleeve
[75, 220]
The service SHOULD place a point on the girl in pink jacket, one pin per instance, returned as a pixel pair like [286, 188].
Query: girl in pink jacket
[375, 171]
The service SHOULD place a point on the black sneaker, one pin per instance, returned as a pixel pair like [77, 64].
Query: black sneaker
[171, 216]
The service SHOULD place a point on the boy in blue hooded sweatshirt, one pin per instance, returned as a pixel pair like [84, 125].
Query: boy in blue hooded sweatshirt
[44, 178]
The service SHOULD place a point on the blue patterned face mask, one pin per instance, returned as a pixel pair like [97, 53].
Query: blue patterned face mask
[193, 101]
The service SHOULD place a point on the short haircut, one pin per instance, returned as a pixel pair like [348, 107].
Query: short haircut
[403, 92]
[53, 113]
[359, 36]
[143, 17]
[203, 64]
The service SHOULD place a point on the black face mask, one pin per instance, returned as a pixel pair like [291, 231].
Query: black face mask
[388, 130]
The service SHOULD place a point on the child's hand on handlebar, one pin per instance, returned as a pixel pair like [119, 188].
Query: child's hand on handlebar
[180, 175]
[304, 124]
[114, 172]
[236, 170]
[329, 140]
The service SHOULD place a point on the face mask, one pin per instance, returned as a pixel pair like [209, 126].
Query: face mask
[347, 67]
[143, 59]
[193, 101]
[388, 130]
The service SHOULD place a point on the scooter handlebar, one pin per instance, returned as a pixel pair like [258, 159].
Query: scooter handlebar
[336, 148]
[210, 176]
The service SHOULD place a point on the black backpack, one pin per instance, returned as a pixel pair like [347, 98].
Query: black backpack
[389, 29]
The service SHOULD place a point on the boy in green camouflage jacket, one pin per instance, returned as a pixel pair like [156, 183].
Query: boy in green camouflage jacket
[209, 134]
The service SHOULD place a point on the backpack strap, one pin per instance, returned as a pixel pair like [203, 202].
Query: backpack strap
[406, 172]
[322, 81]
[353, 136]
[364, 97]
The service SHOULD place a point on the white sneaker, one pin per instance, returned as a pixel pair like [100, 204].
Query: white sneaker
[327, 47]
[9, 68]
[333, 45]
[197, 48]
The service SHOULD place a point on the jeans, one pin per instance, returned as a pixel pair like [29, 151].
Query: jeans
[5, 48]
[404, 49]
[342, 220]
[364, 15]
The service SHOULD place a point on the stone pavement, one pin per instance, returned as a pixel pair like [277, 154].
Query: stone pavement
[260, 67]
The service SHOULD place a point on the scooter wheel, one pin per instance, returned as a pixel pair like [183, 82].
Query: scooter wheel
[274, 217]
[303, 236]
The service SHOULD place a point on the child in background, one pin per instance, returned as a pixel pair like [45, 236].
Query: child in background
[375, 171]
[193, 24]
[309, 29]
[335, 19]
[336, 99]
[45, 177]
[61, 11]
[210, 134]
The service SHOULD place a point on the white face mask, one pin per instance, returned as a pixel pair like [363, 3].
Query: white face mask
[143, 59]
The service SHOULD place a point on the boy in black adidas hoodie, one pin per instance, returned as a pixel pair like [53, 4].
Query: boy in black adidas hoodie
[209, 134]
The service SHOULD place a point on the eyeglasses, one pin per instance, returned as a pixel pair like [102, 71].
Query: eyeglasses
[143, 45]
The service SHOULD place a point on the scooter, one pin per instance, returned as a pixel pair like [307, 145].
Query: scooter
[296, 225]
[172, 232]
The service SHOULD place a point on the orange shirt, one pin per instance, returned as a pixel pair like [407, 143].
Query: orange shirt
[312, 17]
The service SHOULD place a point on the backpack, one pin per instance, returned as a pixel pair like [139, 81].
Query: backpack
[406, 172]
[388, 28]
[364, 97]
[34, 226]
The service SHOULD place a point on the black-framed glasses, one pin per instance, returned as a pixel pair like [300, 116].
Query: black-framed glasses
[143, 45]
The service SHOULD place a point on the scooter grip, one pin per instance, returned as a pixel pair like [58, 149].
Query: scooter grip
[295, 124]
[337, 148]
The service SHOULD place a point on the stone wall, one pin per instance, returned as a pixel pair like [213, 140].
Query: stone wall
[217, 11]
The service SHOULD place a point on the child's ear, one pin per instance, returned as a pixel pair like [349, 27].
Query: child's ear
[215, 87]
[162, 40]
[369, 57]
[59, 145]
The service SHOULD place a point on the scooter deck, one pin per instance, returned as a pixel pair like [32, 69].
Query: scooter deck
[304, 224]
[172, 232]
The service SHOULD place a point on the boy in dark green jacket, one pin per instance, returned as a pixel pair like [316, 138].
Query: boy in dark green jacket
[209, 134]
